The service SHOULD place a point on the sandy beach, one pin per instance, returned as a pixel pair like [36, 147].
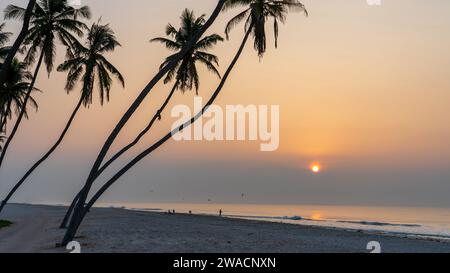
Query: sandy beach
[35, 229]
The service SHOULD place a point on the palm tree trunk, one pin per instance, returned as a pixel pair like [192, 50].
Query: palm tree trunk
[78, 217]
[69, 211]
[23, 110]
[23, 33]
[135, 105]
[141, 134]
[40, 161]
[121, 152]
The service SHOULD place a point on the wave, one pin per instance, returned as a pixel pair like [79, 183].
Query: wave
[368, 223]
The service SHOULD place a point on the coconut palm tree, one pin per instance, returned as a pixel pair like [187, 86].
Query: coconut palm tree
[282, 11]
[13, 92]
[138, 101]
[89, 64]
[51, 20]
[184, 73]
[18, 42]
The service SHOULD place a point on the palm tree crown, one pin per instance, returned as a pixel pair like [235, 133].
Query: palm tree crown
[89, 63]
[14, 91]
[257, 13]
[185, 72]
[50, 19]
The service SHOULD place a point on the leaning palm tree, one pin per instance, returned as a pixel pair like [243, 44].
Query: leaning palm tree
[282, 8]
[184, 73]
[14, 91]
[51, 20]
[89, 64]
[141, 97]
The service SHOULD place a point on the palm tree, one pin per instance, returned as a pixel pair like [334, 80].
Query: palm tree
[283, 8]
[51, 20]
[89, 64]
[135, 105]
[184, 73]
[14, 91]
[19, 40]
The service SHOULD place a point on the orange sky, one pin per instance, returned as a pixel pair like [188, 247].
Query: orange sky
[358, 87]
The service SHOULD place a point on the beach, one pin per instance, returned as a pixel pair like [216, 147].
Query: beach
[113, 230]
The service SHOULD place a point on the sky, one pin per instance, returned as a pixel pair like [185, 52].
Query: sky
[363, 90]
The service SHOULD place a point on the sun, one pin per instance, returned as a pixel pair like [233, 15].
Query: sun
[315, 168]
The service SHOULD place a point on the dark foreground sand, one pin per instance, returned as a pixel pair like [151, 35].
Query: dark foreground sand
[35, 229]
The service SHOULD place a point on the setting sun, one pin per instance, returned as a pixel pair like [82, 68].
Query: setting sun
[315, 168]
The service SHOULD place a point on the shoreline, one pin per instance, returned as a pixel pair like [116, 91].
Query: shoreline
[35, 229]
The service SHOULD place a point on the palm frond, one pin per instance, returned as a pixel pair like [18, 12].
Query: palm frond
[257, 14]
[185, 72]
[172, 45]
[235, 21]
[14, 12]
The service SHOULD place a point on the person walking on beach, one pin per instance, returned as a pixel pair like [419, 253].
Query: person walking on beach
[220, 212]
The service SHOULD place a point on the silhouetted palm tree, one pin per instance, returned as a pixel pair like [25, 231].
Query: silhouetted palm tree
[184, 73]
[129, 113]
[51, 20]
[89, 64]
[13, 93]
